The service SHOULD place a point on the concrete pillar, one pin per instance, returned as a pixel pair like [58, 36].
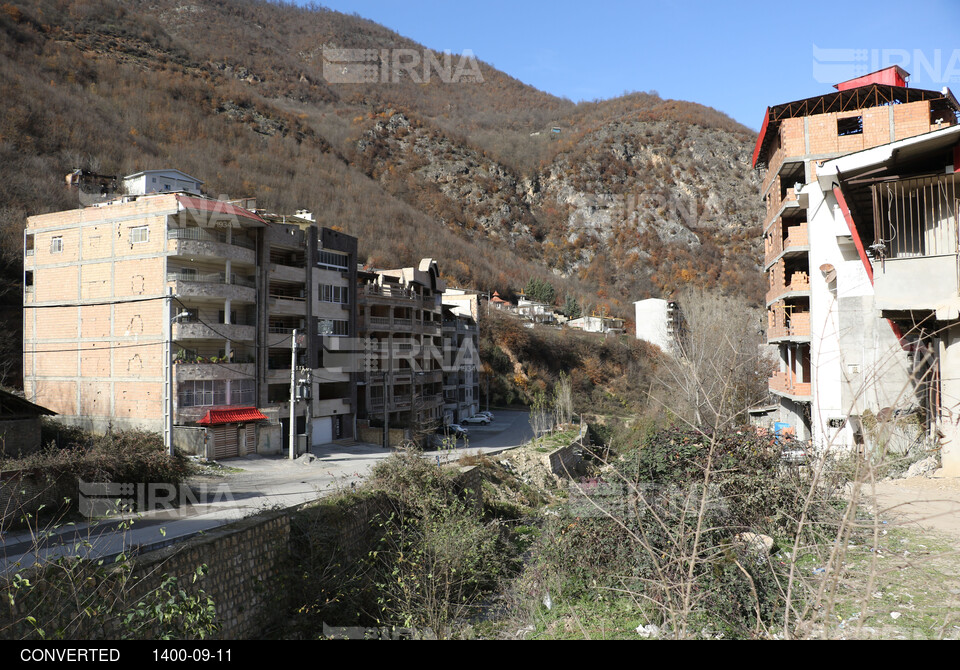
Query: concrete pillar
[950, 399]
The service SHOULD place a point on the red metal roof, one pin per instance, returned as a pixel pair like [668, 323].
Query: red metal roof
[218, 207]
[215, 417]
[761, 136]
[890, 76]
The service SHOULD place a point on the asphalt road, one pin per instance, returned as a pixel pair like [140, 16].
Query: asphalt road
[262, 483]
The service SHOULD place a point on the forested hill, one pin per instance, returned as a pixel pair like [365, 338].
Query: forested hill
[610, 201]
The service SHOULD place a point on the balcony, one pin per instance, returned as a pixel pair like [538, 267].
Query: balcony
[212, 285]
[791, 159]
[211, 370]
[373, 294]
[196, 242]
[795, 243]
[287, 299]
[799, 285]
[431, 377]
[219, 331]
[777, 206]
[785, 384]
[786, 325]
[287, 273]
[916, 223]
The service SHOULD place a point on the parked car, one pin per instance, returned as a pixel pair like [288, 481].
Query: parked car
[486, 413]
[478, 419]
[453, 429]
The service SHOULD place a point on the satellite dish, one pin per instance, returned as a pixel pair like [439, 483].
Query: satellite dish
[829, 272]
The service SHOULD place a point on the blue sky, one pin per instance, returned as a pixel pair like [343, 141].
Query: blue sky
[738, 57]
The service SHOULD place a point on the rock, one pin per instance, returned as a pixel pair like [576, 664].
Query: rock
[923, 468]
[650, 630]
[895, 615]
[757, 543]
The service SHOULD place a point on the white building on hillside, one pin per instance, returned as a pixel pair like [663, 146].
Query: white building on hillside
[656, 321]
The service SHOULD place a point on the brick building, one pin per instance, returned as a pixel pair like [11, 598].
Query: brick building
[101, 284]
[839, 357]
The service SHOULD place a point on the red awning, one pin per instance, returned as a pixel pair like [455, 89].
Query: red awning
[215, 417]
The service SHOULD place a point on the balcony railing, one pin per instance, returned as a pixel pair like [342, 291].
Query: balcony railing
[204, 235]
[799, 327]
[211, 278]
[785, 383]
[799, 283]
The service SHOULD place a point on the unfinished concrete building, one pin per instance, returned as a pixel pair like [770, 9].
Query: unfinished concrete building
[839, 358]
[104, 283]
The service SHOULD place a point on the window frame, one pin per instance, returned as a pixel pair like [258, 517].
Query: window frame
[134, 233]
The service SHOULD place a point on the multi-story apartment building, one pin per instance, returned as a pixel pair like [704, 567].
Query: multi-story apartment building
[400, 316]
[124, 295]
[461, 374]
[309, 286]
[838, 357]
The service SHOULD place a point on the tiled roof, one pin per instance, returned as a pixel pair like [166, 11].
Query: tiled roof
[216, 417]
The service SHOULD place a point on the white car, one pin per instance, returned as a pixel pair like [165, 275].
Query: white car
[478, 419]
[486, 413]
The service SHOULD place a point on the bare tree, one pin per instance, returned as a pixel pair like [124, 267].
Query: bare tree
[718, 369]
[563, 399]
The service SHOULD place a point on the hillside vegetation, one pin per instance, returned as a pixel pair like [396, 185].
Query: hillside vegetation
[636, 196]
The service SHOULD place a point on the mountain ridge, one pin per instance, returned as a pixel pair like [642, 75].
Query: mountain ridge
[234, 93]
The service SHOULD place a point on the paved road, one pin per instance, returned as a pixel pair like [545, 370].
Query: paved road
[264, 483]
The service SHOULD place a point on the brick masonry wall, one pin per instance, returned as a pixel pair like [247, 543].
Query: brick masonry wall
[566, 461]
[248, 562]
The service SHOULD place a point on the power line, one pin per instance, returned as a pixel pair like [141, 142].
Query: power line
[96, 304]
[78, 349]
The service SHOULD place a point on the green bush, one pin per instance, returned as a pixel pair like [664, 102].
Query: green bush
[660, 526]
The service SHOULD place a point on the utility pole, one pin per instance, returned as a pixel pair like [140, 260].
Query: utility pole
[170, 317]
[168, 363]
[386, 387]
[293, 394]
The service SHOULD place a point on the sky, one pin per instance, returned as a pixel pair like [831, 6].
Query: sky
[738, 57]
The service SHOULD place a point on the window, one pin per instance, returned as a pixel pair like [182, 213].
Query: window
[56, 245]
[852, 125]
[332, 327]
[28, 245]
[337, 294]
[28, 281]
[139, 235]
[202, 393]
[332, 260]
[242, 392]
